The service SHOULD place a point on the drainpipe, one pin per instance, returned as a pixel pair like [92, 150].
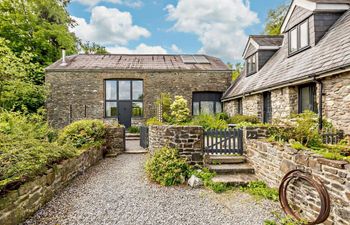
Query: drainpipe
[320, 108]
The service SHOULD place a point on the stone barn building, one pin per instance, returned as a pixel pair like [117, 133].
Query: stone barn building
[307, 67]
[126, 87]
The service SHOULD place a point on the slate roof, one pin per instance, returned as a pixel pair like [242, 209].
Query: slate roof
[268, 40]
[135, 62]
[331, 52]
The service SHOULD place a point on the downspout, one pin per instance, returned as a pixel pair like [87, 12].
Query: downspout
[320, 108]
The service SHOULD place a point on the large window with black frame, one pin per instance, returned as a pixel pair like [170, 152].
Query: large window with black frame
[123, 96]
[206, 103]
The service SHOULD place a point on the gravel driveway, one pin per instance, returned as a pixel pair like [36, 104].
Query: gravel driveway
[116, 191]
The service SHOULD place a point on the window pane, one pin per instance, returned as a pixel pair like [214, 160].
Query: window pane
[304, 35]
[137, 109]
[137, 90]
[111, 90]
[218, 107]
[111, 109]
[195, 110]
[305, 99]
[124, 90]
[293, 39]
[207, 107]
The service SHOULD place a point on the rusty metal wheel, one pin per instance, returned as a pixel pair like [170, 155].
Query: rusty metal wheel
[315, 183]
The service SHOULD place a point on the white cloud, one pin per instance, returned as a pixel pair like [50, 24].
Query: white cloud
[130, 3]
[218, 24]
[176, 49]
[140, 49]
[109, 26]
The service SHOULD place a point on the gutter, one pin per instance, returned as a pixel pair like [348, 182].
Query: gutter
[133, 70]
[294, 82]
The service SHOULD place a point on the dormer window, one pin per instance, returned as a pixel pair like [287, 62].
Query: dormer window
[251, 64]
[299, 38]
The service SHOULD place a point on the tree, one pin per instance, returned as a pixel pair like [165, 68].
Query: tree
[39, 27]
[92, 48]
[18, 92]
[237, 71]
[275, 19]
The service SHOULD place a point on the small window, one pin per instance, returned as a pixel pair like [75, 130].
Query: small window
[240, 106]
[137, 90]
[304, 35]
[299, 37]
[307, 98]
[294, 40]
[111, 90]
[251, 64]
[195, 108]
[124, 90]
[137, 109]
[111, 109]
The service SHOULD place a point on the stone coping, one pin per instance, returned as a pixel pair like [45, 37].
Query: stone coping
[182, 126]
[340, 164]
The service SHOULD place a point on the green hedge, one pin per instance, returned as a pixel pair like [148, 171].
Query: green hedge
[83, 133]
[28, 146]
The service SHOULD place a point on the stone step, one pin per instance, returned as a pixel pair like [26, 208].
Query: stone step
[236, 180]
[131, 135]
[136, 152]
[132, 138]
[223, 159]
[243, 168]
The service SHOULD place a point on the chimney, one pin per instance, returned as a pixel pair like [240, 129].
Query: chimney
[64, 63]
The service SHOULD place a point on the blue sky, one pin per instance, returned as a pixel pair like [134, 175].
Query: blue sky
[214, 27]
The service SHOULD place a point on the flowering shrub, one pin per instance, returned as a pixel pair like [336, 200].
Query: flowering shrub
[179, 110]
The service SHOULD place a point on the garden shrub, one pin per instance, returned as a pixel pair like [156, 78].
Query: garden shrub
[223, 116]
[260, 189]
[27, 148]
[302, 128]
[167, 168]
[134, 130]
[83, 133]
[209, 122]
[179, 110]
[237, 119]
[153, 121]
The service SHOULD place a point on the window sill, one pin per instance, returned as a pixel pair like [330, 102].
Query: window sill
[291, 54]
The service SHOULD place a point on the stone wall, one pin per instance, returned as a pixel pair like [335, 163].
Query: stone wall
[17, 205]
[83, 92]
[189, 140]
[336, 100]
[231, 107]
[252, 105]
[284, 102]
[115, 141]
[272, 162]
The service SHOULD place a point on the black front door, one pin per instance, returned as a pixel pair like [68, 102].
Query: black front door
[125, 110]
[267, 111]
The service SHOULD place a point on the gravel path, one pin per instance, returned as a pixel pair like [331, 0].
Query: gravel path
[116, 191]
